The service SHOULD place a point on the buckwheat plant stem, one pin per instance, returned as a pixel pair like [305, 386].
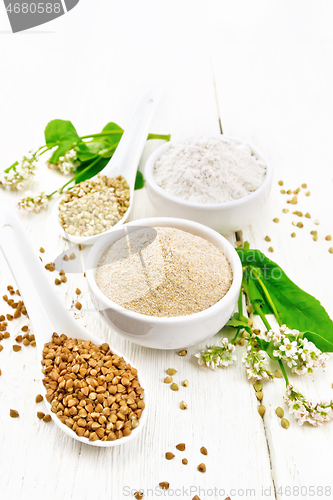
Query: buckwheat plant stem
[268, 297]
[284, 372]
[240, 310]
[60, 190]
[258, 310]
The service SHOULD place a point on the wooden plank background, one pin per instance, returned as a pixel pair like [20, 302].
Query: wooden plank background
[264, 70]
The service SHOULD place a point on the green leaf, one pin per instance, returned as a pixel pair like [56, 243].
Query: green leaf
[267, 346]
[57, 131]
[238, 321]
[85, 156]
[63, 147]
[63, 134]
[112, 126]
[159, 136]
[11, 167]
[270, 349]
[139, 181]
[108, 151]
[112, 138]
[83, 172]
[86, 152]
[296, 308]
[323, 344]
[255, 294]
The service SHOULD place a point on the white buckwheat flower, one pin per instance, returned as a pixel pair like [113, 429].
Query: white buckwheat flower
[34, 203]
[288, 352]
[16, 176]
[301, 355]
[306, 411]
[66, 164]
[310, 358]
[256, 362]
[215, 356]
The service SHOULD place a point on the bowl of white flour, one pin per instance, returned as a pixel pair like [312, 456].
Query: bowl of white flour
[220, 181]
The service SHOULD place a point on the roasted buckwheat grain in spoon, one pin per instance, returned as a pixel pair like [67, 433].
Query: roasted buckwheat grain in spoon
[91, 391]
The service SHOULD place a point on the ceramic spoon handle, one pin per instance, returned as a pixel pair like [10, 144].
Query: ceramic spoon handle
[44, 307]
[128, 153]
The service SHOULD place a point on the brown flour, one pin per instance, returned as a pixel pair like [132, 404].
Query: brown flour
[178, 273]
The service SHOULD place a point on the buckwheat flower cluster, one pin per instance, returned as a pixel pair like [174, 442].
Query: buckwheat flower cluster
[67, 164]
[288, 352]
[256, 362]
[301, 355]
[16, 176]
[34, 203]
[215, 356]
[306, 411]
[310, 357]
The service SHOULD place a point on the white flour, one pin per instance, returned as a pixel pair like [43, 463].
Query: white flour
[209, 170]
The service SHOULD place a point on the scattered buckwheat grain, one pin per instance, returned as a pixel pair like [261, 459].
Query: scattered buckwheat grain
[164, 485]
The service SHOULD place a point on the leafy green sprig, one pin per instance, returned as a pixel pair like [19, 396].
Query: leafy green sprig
[270, 291]
[83, 156]
[304, 333]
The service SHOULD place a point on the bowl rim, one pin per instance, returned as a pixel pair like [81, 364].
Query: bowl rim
[149, 176]
[100, 246]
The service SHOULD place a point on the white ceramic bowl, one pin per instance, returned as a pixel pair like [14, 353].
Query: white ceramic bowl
[225, 217]
[158, 332]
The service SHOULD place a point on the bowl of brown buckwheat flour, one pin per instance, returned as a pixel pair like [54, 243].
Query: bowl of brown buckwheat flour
[220, 181]
[164, 283]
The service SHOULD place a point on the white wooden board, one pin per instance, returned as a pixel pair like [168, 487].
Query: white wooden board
[271, 67]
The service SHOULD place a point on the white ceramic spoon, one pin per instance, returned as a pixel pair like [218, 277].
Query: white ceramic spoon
[126, 158]
[46, 312]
